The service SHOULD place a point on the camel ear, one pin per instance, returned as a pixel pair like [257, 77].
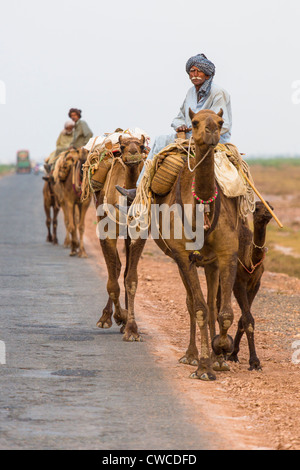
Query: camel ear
[143, 140]
[191, 113]
[120, 140]
[221, 112]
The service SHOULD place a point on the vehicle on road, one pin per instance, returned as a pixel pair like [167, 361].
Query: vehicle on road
[23, 162]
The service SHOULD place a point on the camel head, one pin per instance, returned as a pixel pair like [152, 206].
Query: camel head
[207, 126]
[132, 150]
[66, 164]
[261, 215]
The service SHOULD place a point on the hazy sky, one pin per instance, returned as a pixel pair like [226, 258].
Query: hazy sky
[123, 64]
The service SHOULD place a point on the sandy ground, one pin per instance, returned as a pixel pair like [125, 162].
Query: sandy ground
[250, 410]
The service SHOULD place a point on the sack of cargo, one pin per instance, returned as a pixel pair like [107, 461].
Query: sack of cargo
[166, 174]
[99, 173]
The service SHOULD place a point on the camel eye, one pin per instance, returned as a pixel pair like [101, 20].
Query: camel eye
[221, 122]
[195, 123]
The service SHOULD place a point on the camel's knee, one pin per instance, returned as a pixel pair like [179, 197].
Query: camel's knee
[113, 290]
[201, 317]
[248, 322]
[225, 319]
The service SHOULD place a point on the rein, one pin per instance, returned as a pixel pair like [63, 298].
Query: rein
[253, 268]
[189, 155]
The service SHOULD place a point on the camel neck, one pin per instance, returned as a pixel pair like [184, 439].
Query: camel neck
[131, 176]
[205, 185]
[259, 239]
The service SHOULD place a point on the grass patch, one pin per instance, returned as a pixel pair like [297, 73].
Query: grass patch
[286, 237]
[282, 179]
[6, 169]
[279, 263]
[276, 162]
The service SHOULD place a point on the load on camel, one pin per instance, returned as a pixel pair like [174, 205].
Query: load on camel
[116, 159]
[199, 173]
[68, 178]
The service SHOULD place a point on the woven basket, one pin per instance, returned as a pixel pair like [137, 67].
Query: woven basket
[99, 177]
[167, 174]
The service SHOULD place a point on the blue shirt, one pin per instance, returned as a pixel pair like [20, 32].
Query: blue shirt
[216, 99]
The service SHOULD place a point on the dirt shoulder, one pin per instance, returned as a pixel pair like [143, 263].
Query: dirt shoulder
[249, 410]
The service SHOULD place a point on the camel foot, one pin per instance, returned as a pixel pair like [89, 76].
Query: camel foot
[131, 338]
[55, 241]
[220, 365]
[122, 329]
[131, 333]
[234, 358]
[206, 376]
[105, 320]
[255, 364]
[49, 239]
[104, 323]
[222, 346]
[82, 254]
[73, 253]
[190, 359]
[120, 317]
[204, 371]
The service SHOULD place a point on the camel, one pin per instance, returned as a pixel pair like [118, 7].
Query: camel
[68, 172]
[124, 172]
[218, 255]
[50, 201]
[248, 279]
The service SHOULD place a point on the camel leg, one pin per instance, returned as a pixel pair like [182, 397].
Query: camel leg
[223, 343]
[246, 325]
[72, 227]
[212, 278]
[48, 222]
[105, 321]
[82, 211]
[111, 256]
[135, 251]
[192, 355]
[67, 242]
[204, 371]
[55, 214]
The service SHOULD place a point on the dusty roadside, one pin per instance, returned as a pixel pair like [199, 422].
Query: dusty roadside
[250, 410]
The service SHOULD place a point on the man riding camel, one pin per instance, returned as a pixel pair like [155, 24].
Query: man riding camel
[82, 132]
[62, 144]
[204, 94]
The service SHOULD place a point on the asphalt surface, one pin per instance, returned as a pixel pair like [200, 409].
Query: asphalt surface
[66, 384]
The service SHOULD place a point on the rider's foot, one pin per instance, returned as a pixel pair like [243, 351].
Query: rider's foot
[129, 193]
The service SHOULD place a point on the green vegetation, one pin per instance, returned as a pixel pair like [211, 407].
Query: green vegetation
[277, 262]
[276, 162]
[6, 168]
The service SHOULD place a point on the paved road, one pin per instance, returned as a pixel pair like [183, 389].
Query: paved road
[67, 384]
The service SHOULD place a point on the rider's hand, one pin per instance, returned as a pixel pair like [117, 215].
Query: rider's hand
[182, 129]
